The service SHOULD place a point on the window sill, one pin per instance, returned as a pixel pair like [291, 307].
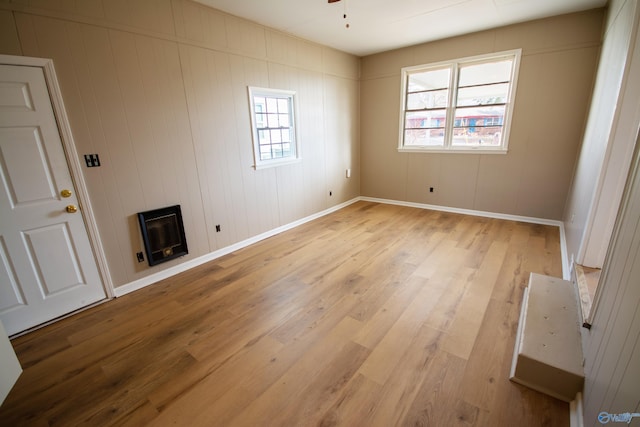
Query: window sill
[273, 164]
[439, 150]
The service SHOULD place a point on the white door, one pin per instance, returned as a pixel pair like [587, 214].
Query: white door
[47, 267]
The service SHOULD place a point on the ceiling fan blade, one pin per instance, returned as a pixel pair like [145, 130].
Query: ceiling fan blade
[333, 1]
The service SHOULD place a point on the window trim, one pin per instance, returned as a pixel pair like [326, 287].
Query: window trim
[455, 65]
[258, 163]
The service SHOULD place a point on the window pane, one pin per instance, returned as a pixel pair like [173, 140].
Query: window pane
[263, 137]
[475, 116]
[259, 103]
[478, 126]
[276, 136]
[286, 135]
[260, 120]
[491, 72]
[425, 119]
[422, 137]
[265, 152]
[483, 95]
[429, 80]
[272, 105]
[283, 120]
[272, 120]
[276, 151]
[480, 136]
[433, 99]
[283, 105]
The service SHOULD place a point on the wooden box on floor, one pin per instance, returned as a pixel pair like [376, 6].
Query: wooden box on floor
[548, 350]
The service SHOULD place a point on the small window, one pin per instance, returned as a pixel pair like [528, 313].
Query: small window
[463, 105]
[273, 125]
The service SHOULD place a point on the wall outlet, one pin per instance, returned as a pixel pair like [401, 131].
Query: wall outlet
[218, 228]
[140, 256]
[430, 189]
[348, 173]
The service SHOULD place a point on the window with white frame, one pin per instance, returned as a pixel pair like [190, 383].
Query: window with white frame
[463, 105]
[273, 124]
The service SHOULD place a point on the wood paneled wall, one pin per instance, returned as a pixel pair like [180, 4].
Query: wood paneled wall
[612, 346]
[158, 88]
[559, 59]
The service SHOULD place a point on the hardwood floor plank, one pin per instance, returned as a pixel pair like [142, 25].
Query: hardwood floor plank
[461, 335]
[356, 403]
[434, 403]
[406, 378]
[273, 401]
[375, 315]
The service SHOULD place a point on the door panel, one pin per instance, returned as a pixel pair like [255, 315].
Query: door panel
[10, 292]
[48, 268]
[58, 270]
[18, 147]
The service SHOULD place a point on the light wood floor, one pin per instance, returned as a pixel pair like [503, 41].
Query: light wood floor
[375, 315]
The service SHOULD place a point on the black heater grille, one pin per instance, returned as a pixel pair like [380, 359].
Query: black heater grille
[163, 234]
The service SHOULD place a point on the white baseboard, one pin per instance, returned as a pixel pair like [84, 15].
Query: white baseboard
[172, 271]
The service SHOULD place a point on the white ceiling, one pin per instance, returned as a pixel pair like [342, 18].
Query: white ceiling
[379, 25]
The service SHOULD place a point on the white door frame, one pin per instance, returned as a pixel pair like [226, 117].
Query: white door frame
[73, 162]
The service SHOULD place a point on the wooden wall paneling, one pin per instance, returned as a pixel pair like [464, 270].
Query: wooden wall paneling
[341, 130]
[171, 125]
[136, 104]
[150, 15]
[568, 31]
[149, 70]
[458, 180]
[119, 145]
[545, 179]
[312, 136]
[340, 64]
[309, 55]
[200, 97]
[260, 186]
[611, 345]
[83, 8]
[493, 192]
[245, 37]
[289, 178]
[425, 170]
[90, 137]
[351, 122]
[197, 23]
[230, 217]
[9, 42]
[281, 48]
[383, 169]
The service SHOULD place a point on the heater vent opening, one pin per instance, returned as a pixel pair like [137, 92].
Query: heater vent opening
[163, 234]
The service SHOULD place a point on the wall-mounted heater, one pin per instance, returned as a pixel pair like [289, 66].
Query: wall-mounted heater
[163, 234]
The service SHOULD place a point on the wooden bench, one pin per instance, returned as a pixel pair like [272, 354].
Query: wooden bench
[548, 349]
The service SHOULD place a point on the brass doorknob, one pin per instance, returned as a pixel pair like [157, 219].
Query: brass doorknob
[72, 209]
[65, 193]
